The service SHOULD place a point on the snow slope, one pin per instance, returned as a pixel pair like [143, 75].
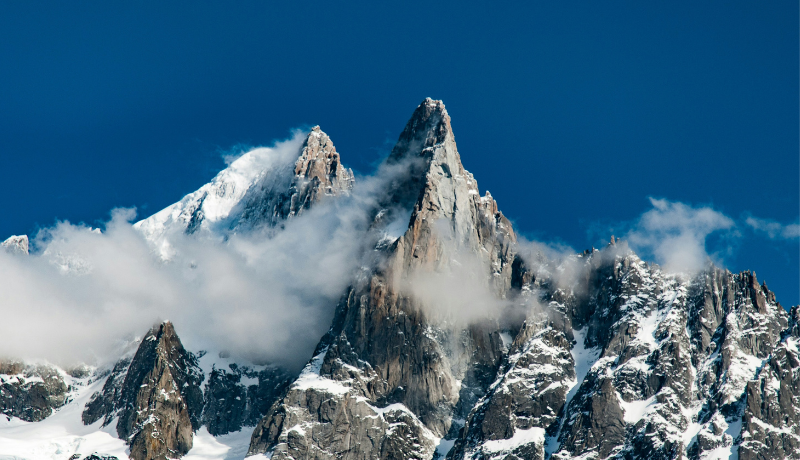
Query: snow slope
[63, 434]
[214, 205]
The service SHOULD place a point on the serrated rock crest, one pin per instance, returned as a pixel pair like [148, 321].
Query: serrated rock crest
[382, 364]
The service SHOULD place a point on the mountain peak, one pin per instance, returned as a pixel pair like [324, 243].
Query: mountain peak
[438, 189]
[318, 172]
[319, 160]
[262, 187]
[156, 397]
[428, 126]
[16, 244]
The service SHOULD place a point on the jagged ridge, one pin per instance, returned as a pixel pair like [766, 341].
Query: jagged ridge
[617, 360]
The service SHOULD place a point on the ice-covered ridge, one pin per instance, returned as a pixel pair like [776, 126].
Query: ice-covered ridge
[501, 448]
[215, 202]
[16, 244]
[310, 378]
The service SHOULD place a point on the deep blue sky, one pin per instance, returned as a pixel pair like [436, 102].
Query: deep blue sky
[570, 113]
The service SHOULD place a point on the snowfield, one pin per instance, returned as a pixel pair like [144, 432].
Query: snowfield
[63, 435]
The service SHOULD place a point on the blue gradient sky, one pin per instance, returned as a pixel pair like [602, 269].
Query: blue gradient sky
[571, 113]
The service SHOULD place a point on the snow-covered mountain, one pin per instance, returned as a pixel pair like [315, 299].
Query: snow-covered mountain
[452, 341]
[17, 244]
[260, 188]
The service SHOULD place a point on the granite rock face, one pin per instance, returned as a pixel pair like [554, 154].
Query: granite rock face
[770, 427]
[318, 172]
[386, 380]
[662, 366]
[158, 402]
[158, 399]
[612, 358]
[240, 396]
[31, 391]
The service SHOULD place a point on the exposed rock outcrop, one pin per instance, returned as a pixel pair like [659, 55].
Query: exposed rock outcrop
[662, 364]
[260, 189]
[318, 172]
[770, 427]
[239, 396]
[31, 391]
[384, 363]
[159, 400]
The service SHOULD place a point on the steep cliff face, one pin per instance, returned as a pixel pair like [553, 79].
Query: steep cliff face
[239, 396]
[318, 172]
[159, 401]
[386, 380]
[770, 425]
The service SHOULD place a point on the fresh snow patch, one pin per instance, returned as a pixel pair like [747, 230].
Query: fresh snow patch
[444, 447]
[520, 438]
[507, 340]
[62, 434]
[584, 359]
[734, 430]
[793, 344]
[396, 228]
[212, 360]
[635, 410]
[742, 369]
[231, 446]
[309, 378]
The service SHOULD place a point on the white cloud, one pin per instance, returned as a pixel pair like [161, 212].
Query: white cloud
[773, 229]
[455, 294]
[675, 234]
[260, 298]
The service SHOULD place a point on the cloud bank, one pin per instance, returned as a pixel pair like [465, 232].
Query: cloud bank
[675, 234]
[264, 300]
[269, 296]
[262, 296]
[773, 229]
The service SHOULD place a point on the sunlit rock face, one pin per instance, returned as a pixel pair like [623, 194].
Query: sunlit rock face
[388, 381]
[157, 402]
[454, 339]
[629, 362]
[622, 360]
[770, 426]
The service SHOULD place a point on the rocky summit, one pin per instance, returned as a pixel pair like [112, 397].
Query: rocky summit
[453, 340]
